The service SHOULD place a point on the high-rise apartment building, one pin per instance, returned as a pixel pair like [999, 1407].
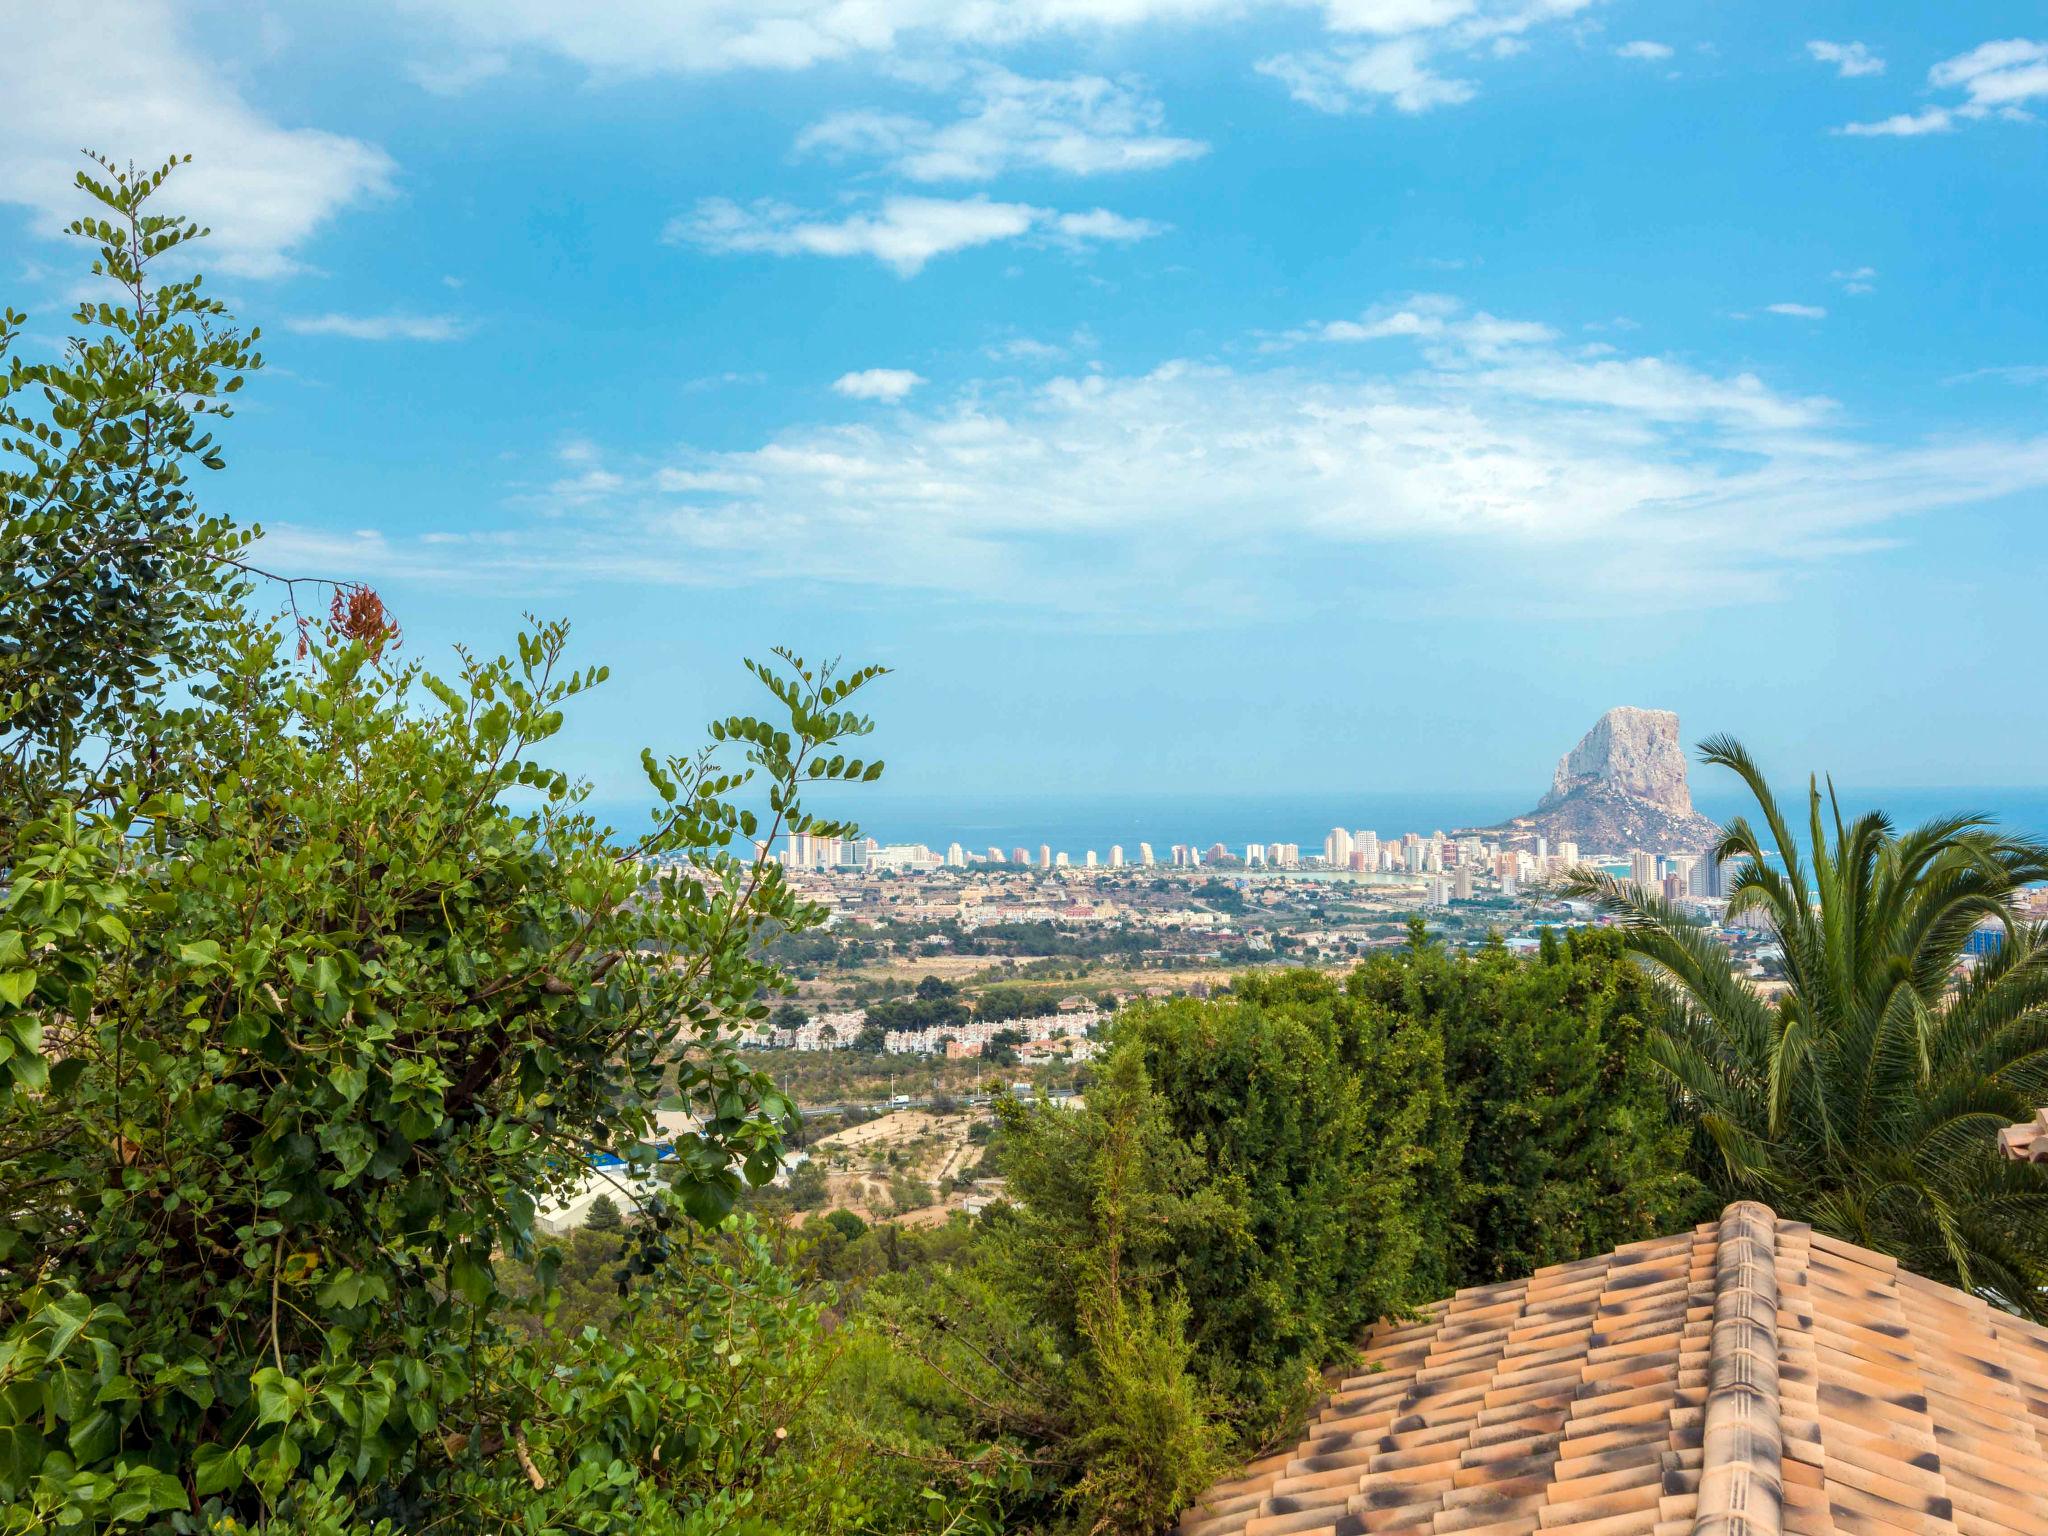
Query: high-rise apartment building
[1088, 859]
[1045, 856]
[1642, 870]
[1145, 855]
[1461, 882]
[1337, 849]
[1568, 855]
[956, 856]
[1116, 855]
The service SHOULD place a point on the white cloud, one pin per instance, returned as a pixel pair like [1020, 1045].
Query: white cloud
[1902, 125]
[1393, 17]
[1996, 75]
[380, 327]
[904, 234]
[1996, 79]
[1027, 349]
[458, 76]
[1850, 59]
[122, 79]
[1405, 67]
[877, 384]
[1353, 79]
[1855, 279]
[2010, 373]
[1522, 466]
[1643, 48]
[1101, 224]
[632, 38]
[1418, 315]
[1797, 311]
[643, 37]
[1082, 125]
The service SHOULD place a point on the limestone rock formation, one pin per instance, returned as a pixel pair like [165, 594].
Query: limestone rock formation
[1622, 787]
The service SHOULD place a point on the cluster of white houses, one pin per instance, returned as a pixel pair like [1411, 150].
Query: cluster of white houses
[1054, 1034]
[1042, 1035]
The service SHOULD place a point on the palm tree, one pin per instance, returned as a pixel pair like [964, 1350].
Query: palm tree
[1867, 1097]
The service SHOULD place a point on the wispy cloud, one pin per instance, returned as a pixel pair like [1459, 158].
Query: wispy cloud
[394, 327]
[1797, 311]
[1996, 76]
[457, 77]
[903, 233]
[1404, 64]
[1902, 125]
[1348, 80]
[137, 88]
[1630, 479]
[1850, 59]
[2008, 373]
[1082, 125]
[1855, 279]
[2000, 79]
[877, 384]
[1643, 48]
[710, 36]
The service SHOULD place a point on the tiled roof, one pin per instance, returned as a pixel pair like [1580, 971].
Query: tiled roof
[1751, 1377]
[2026, 1142]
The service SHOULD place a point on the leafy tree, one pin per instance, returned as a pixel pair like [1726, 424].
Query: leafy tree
[907, 1192]
[808, 1186]
[604, 1216]
[111, 578]
[846, 1224]
[1866, 1098]
[1568, 1141]
[302, 1015]
[1324, 1124]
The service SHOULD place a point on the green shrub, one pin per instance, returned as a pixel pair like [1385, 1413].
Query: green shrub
[314, 980]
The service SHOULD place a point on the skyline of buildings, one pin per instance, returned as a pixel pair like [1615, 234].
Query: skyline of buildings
[1451, 868]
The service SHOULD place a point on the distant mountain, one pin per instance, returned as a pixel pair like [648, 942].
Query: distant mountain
[1622, 787]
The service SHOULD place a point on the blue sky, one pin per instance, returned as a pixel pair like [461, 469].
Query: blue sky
[1180, 394]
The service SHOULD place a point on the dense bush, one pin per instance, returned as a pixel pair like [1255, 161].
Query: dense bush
[313, 982]
[1251, 1182]
[1568, 1140]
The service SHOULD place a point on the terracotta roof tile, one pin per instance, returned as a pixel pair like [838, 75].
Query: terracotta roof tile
[1749, 1378]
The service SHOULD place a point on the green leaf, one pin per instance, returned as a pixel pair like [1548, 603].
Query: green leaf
[200, 953]
[474, 1280]
[94, 1437]
[15, 986]
[215, 1469]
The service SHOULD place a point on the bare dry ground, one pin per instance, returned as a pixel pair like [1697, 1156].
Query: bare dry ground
[925, 1145]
